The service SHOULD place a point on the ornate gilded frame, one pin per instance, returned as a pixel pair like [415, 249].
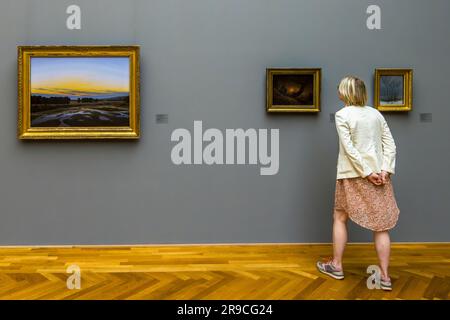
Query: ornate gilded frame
[25, 131]
[407, 75]
[315, 107]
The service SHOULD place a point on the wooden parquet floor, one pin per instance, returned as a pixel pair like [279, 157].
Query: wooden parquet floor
[241, 271]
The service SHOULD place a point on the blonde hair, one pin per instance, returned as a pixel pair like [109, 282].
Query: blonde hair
[353, 91]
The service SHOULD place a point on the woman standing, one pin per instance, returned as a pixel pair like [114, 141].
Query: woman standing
[364, 192]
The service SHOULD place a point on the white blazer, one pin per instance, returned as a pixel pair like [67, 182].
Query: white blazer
[366, 144]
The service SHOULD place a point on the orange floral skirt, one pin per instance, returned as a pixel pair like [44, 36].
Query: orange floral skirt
[370, 206]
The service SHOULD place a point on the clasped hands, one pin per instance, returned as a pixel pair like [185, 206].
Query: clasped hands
[378, 179]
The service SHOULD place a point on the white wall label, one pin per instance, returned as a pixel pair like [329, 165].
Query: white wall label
[73, 22]
[374, 20]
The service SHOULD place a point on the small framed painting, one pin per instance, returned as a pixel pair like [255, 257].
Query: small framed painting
[393, 89]
[78, 92]
[293, 90]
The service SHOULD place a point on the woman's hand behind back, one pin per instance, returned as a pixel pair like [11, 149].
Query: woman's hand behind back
[375, 178]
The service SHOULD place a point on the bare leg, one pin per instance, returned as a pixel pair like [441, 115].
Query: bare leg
[383, 248]
[339, 237]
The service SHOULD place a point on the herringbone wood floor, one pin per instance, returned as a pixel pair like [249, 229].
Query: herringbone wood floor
[254, 271]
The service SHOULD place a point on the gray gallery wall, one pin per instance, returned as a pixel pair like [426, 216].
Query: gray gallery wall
[205, 60]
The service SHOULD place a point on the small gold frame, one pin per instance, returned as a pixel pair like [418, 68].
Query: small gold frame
[25, 131]
[313, 107]
[407, 75]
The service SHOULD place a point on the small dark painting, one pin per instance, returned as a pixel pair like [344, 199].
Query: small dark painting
[293, 89]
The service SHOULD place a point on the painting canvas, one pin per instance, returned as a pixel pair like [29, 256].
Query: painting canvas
[393, 89]
[80, 92]
[293, 90]
[89, 92]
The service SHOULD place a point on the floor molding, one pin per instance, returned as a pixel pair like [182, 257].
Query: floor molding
[204, 244]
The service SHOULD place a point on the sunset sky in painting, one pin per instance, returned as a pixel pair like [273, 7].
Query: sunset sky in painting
[80, 77]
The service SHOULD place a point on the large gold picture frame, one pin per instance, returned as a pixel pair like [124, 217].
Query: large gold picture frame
[393, 89]
[293, 89]
[100, 98]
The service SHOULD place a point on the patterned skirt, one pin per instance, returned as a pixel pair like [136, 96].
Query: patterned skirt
[370, 206]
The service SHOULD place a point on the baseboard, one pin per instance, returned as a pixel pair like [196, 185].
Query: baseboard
[211, 244]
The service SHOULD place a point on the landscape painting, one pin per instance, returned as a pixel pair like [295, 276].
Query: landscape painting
[393, 89]
[80, 91]
[293, 90]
